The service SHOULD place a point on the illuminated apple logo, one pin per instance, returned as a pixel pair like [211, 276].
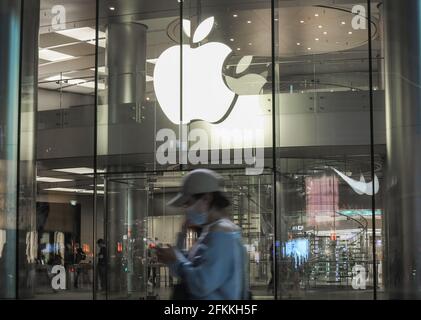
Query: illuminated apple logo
[205, 94]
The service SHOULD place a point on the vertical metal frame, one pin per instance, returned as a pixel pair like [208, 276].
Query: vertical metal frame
[373, 197]
[18, 153]
[95, 157]
[274, 28]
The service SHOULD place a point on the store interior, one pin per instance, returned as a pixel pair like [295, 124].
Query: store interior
[307, 224]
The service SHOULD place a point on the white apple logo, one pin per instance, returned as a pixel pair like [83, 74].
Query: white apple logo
[205, 95]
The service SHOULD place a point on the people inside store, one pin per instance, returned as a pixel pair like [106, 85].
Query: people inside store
[79, 257]
[152, 268]
[101, 264]
[215, 266]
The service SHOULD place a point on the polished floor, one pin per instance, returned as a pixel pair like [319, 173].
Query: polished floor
[258, 294]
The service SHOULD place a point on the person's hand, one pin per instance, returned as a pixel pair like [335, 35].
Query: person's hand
[165, 255]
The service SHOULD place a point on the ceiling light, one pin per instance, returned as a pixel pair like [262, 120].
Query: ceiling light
[343, 22]
[298, 44]
[147, 98]
[302, 21]
[320, 27]
[248, 21]
[82, 34]
[308, 48]
[80, 82]
[350, 32]
[74, 190]
[80, 170]
[238, 49]
[152, 61]
[89, 84]
[69, 190]
[250, 43]
[52, 180]
[317, 39]
[235, 15]
[51, 55]
[56, 78]
[100, 69]
[324, 32]
[112, 8]
[232, 40]
[316, 15]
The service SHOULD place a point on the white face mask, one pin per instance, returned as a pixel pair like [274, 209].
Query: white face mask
[196, 217]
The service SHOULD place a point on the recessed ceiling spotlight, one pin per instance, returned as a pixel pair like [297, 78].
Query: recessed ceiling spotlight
[250, 43]
[343, 22]
[317, 39]
[301, 21]
[147, 98]
[112, 8]
[316, 15]
[238, 49]
[324, 32]
[298, 44]
[350, 32]
[235, 15]
[249, 21]
[320, 27]
[308, 48]
[232, 40]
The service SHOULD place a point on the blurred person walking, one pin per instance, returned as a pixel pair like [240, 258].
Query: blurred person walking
[216, 266]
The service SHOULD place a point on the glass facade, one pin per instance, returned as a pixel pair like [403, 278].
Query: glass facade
[113, 102]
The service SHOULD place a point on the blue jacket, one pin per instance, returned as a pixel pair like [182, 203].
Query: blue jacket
[215, 268]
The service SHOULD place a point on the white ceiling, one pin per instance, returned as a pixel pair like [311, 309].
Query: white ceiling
[296, 39]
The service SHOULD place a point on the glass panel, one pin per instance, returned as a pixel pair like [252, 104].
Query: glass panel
[226, 108]
[27, 228]
[64, 256]
[226, 71]
[324, 185]
[132, 36]
[10, 24]
[149, 112]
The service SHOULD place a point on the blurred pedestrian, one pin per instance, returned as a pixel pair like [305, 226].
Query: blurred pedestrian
[215, 267]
